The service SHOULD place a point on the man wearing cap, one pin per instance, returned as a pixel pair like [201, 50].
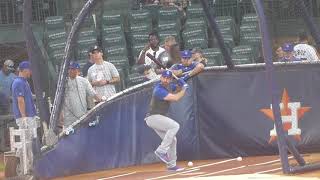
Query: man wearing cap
[24, 108]
[187, 68]
[6, 77]
[163, 94]
[288, 53]
[102, 75]
[77, 91]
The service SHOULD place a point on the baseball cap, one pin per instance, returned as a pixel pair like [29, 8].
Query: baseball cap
[166, 74]
[24, 65]
[74, 65]
[186, 54]
[9, 63]
[287, 47]
[95, 48]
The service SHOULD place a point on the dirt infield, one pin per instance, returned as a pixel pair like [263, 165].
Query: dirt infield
[1, 164]
[261, 167]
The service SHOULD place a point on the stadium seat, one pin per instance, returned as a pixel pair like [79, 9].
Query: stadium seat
[86, 32]
[225, 7]
[165, 25]
[134, 79]
[119, 61]
[248, 28]
[213, 55]
[139, 38]
[115, 51]
[195, 12]
[56, 34]
[54, 22]
[56, 44]
[250, 18]
[253, 38]
[241, 59]
[194, 32]
[192, 42]
[246, 50]
[140, 27]
[195, 22]
[170, 13]
[109, 29]
[140, 16]
[136, 49]
[111, 18]
[114, 40]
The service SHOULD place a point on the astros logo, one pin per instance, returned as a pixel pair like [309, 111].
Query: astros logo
[291, 113]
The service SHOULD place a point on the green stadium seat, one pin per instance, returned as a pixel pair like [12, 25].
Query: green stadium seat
[213, 55]
[198, 41]
[87, 42]
[164, 25]
[140, 27]
[170, 13]
[250, 18]
[225, 7]
[248, 28]
[253, 38]
[119, 61]
[241, 59]
[56, 34]
[114, 39]
[140, 16]
[54, 22]
[225, 20]
[112, 18]
[134, 79]
[56, 44]
[115, 51]
[136, 49]
[246, 50]
[195, 22]
[87, 33]
[110, 29]
[139, 38]
[194, 32]
[195, 12]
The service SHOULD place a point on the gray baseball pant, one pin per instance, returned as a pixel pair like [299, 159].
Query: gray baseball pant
[167, 129]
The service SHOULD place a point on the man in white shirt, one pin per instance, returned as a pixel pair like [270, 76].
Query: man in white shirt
[303, 50]
[77, 91]
[155, 50]
[102, 75]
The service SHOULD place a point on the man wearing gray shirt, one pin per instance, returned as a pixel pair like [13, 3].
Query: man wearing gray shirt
[77, 90]
[102, 75]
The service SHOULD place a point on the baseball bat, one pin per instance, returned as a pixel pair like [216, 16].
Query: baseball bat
[160, 64]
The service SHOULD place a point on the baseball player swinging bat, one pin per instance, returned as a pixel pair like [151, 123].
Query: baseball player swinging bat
[160, 64]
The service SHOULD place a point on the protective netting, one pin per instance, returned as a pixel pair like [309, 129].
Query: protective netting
[286, 21]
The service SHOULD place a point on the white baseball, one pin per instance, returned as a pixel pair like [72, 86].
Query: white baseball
[190, 163]
[239, 158]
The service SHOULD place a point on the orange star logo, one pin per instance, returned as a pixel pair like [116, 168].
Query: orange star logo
[286, 111]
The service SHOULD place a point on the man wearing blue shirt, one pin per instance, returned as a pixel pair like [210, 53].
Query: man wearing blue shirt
[187, 68]
[163, 94]
[24, 109]
[6, 77]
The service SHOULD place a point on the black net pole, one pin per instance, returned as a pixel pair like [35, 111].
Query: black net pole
[59, 97]
[214, 26]
[35, 58]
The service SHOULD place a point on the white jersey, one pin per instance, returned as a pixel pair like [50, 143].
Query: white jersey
[151, 74]
[305, 52]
